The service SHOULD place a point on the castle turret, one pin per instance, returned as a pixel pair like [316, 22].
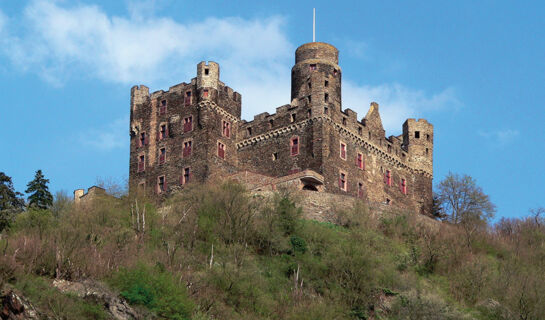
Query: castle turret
[418, 139]
[208, 75]
[316, 77]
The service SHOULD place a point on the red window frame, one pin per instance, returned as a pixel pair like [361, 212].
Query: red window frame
[161, 184]
[342, 150]
[359, 161]
[388, 178]
[226, 129]
[188, 124]
[343, 181]
[186, 150]
[163, 132]
[403, 186]
[186, 176]
[294, 146]
[143, 140]
[163, 107]
[221, 150]
[162, 155]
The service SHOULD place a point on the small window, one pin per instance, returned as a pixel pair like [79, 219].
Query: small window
[141, 163]
[389, 148]
[403, 186]
[360, 131]
[187, 100]
[205, 93]
[309, 85]
[275, 156]
[428, 137]
[388, 201]
[161, 184]
[359, 161]
[163, 107]
[271, 123]
[326, 110]
[293, 117]
[206, 71]
[427, 151]
[344, 121]
[186, 176]
[417, 134]
[343, 151]
[226, 129]
[334, 72]
[143, 139]
[162, 155]
[326, 84]
[388, 178]
[309, 113]
[221, 150]
[163, 132]
[360, 190]
[312, 67]
[326, 97]
[294, 146]
[309, 99]
[249, 131]
[186, 151]
[342, 181]
[369, 135]
[188, 124]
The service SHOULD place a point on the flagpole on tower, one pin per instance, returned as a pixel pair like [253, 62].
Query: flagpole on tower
[313, 24]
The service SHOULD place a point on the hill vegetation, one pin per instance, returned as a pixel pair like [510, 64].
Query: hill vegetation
[220, 252]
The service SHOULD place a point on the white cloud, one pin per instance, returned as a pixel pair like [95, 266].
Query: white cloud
[396, 102]
[500, 137]
[111, 136]
[60, 42]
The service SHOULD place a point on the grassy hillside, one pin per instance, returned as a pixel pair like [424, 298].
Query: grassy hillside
[217, 252]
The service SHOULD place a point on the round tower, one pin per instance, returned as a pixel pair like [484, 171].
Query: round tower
[208, 75]
[316, 77]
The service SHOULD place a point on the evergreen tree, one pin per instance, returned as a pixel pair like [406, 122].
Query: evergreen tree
[40, 197]
[11, 201]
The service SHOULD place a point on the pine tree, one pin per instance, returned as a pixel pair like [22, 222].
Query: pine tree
[11, 201]
[40, 197]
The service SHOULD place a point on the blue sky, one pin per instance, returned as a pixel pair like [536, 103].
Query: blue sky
[475, 69]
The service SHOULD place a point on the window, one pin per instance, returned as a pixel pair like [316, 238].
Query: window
[271, 123]
[162, 155]
[359, 161]
[186, 176]
[221, 150]
[326, 97]
[309, 113]
[360, 190]
[360, 131]
[427, 151]
[293, 117]
[205, 93]
[186, 151]
[187, 100]
[309, 98]
[388, 178]
[342, 181]
[249, 131]
[161, 184]
[390, 148]
[428, 137]
[226, 129]
[274, 156]
[143, 139]
[188, 124]
[141, 163]
[344, 121]
[417, 134]
[206, 71]
[334, 72]
[369, 135]
[326, 110]
[163, 107]
[326, 84]
[294, 146]
[163, 132]
[310, 85]
[342, 153]
[388, 201]
[403, 186]
[312, 67]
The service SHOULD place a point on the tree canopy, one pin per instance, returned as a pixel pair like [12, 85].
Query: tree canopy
[40, 197]
[11, 201]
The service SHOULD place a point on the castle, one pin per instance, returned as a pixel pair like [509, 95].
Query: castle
[194, 132]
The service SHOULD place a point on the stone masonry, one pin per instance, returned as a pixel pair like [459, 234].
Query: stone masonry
[194, 133]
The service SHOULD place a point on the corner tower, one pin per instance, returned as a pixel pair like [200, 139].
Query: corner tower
[316, 77]
[418, 139]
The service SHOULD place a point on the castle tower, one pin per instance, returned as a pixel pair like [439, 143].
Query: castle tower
[316, 77]
[418, 138]
[208, 75]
